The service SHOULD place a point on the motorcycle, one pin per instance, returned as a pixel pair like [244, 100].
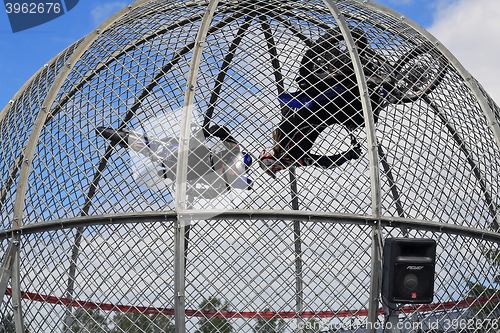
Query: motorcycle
[206, 178]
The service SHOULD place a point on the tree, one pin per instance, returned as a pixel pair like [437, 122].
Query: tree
[89, 321]
[489, 310]
[272, 325]
[214, 324]
[7, 325]
[142, 323]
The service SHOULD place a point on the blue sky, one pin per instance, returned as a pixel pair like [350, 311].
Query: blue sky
[464, 26]
[23, 53]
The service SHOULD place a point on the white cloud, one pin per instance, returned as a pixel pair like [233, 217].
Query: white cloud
[102, 11]
[469, 29]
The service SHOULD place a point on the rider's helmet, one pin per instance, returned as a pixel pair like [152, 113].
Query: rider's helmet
[269, 163]
[329, 58]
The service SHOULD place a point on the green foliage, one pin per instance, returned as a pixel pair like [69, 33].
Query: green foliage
[214, 324]
[142, 323]
[7, 325]
[493, 256]
[89, 321]
[273, 325]
[488, 310]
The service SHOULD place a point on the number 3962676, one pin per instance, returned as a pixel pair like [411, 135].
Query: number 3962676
[32, 8]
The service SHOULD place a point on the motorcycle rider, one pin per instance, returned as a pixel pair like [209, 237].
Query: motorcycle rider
[328, 94]
[230, 162]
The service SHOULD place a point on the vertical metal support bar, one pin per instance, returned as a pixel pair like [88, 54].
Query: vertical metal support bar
[179, 276]
[376, 278]
[71, 278]
[16, 287]
[190, 201]
[374, 166]
[299, 287]
[182, 223]
[6, 269]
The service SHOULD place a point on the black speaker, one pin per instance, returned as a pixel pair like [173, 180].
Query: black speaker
[408, 272]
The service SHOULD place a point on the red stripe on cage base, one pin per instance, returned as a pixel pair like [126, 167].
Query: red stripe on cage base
[249, 314]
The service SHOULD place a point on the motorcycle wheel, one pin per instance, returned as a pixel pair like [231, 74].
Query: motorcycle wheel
[419, 72]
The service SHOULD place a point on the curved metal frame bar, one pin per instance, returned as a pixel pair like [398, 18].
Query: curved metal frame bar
[249, 215]
[181, 177]
[182, 224]
[468, 79]
[30, 150]
[374, 164]
[466, 76]
[182, 211]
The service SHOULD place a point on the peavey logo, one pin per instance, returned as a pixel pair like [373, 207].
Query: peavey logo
[415, 267]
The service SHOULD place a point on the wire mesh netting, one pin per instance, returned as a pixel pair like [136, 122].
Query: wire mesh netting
[226, 166]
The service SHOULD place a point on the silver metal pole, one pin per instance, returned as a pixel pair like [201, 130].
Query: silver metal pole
[6, 269]
[16, 286]
[182, 223]
[299, 288]
[71, 279]
[179, 276]
[376, 260]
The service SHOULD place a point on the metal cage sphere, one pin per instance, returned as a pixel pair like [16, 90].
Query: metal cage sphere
[128, 235]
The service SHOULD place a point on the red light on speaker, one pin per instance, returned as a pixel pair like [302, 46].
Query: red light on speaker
[413, 295]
